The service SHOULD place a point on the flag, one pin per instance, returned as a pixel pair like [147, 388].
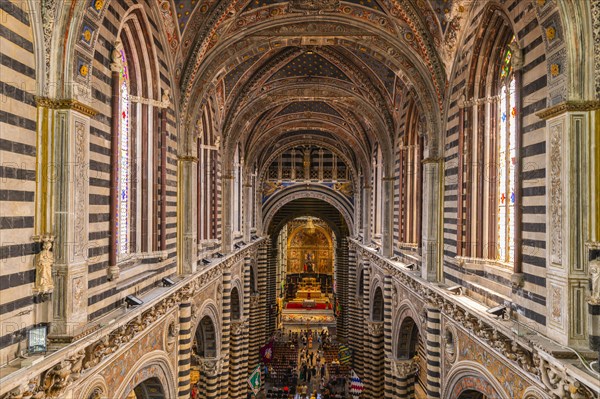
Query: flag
[344, 354]
[356, 385]
[266, 352]
[338, 309]
[254, 380]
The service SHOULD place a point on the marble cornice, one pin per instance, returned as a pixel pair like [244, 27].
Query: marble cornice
[55, 374]
[66, 104]
[568, 106]
[531, 357]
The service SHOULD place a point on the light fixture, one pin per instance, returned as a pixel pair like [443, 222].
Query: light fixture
[133, 300]
[167, 282]
[310, 227]
[455, 289]
[218, 255]
[410, 266]
[497, 311]
[205, 261]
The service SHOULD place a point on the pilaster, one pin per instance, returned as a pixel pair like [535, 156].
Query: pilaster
[188, 253]
[227, 209]
[387, 229]
[431, 249]
[66, 198]
[570, 182]
[367, 215]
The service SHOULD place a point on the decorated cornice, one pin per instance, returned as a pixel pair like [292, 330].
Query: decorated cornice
[568, 106]
[534, 359]
[58, 371]
[66, 104]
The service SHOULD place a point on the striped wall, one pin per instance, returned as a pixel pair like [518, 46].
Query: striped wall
[20, 309]
[104, 295]
[492, 284]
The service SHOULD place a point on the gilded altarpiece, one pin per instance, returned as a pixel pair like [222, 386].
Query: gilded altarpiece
[310, 252]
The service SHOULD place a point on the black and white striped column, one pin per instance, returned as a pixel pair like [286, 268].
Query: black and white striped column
[387, 338]
[185, 350]
[225, 334]
[433, 351]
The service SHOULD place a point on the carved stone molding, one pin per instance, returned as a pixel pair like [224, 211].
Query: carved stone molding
[375, 328]
[66, 104]
[530, 358]
[238, 327]
[54, 376]
[568, 106]
[310, 6]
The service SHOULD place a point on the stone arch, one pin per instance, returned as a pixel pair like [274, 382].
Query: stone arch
[535, 393]
[96, 388]
[277, 201]
[154, 365]
[208, 311]
[377, 304]
[467, 374]
[236, 303]
[405, 314]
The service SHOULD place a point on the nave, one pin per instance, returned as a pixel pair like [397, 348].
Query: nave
[185, 182]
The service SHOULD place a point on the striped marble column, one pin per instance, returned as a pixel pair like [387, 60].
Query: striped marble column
[342, 288]
[238, 350]
[225, 335]
[355, 315]
[369, 341]
[185, 349]
[433, 351]
[374, 360]
[404, 379]
[209, 378]
[387, 338]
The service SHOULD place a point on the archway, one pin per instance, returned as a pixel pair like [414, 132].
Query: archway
[236, 310]
[205, 361]
[205, 339]
[377, 309]
[472, 394]
[149, 389]
[410, 375]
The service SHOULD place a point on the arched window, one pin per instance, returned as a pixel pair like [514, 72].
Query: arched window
[488, 186]
[506, 160]
[124, 174]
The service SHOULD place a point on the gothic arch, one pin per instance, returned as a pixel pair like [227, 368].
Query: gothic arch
[466, 374]
[237, 302]
[152, 365]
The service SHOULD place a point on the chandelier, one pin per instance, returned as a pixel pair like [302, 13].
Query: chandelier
[310, 227]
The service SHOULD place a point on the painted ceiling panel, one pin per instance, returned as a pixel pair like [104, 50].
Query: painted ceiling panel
[232, 77]
[310, 64]
[309, 106]
[385, 74]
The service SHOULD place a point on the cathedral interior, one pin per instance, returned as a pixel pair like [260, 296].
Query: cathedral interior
[190, 186]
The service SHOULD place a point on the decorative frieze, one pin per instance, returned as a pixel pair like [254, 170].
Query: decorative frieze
[532, 358]
[53, 376]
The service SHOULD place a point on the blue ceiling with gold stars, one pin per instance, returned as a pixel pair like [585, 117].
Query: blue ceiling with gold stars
[183, 9]
[442, 9]
[385, 74]
[310, 64]
[309, 106]
[232, 77]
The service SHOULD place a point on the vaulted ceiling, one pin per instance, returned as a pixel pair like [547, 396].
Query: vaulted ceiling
[327, 72]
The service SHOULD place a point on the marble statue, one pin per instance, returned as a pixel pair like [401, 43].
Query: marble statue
[595, 280]
[43, 265]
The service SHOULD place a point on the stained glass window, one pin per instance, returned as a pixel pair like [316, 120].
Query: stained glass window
[124, 178]
[506, 162]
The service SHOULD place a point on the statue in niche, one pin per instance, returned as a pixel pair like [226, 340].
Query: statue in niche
[517, 56]
[43, 266]
[595, 282]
